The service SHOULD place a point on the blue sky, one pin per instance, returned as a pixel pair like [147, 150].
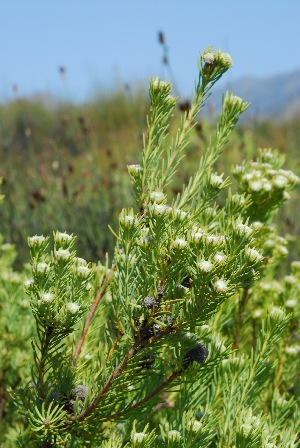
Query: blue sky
[104, 44]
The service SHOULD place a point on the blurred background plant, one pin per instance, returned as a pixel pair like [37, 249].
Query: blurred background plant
[65, 166]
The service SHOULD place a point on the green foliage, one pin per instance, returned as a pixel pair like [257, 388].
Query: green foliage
[188, 336]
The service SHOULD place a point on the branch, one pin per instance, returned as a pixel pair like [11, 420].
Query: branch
[118, 371]
[91, 314]
[156, 391]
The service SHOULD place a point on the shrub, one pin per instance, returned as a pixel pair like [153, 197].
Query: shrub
[187, 337]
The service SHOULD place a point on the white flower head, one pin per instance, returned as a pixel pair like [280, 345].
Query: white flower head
[238, 169]
[267, 186]
[80, 261]
[269, 243]
[179, 213]
[281, 401]
[158, 209]
[295, 265]
[277, 313]
[236, 100]
[220, 258]
[198, 235]
[157, 196]
[247, 177]
[144, 240]
[256, 185]
[83, 271]
[291, 279]
[29, 283]
[221, 285]
[180, 243]
[257, 225]
[256, 172]
[36, 240]
[280, 181]
[174, 435]
[282, 250]
[268, 154]
[134, 169]
[138, 437]
[127, 220]
[47, 297]
[73, 307]
[216, 181]
[291, 303]
[273, 286]
[42, 267]
[195, 426]
[238, 199]
[63, 237]
[292, 177]
[226, 59]
[182, 289]
[215, 239]
[246, 428]
[205, 265]
[293, 350]
[257, 313]
[6, 246]
[159, 84]
[208, 58]
[63, 254]
[253, 254]
[243, 229]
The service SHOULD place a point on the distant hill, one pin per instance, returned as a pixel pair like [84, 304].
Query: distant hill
[276, 97]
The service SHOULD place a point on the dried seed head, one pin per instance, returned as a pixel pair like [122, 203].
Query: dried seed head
[149, 302]
[199, 353]
[160, 293]
[79, 392]
[147, 362]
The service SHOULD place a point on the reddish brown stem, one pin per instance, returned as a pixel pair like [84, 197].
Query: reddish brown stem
[156, 391]
[117, 372]
[91, 314]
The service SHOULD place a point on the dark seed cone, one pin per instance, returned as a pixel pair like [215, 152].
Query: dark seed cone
[147, 362]
[199, 353]
[149, 302]
[79, 392]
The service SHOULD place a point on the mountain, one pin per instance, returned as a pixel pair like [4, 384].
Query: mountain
[276, 97]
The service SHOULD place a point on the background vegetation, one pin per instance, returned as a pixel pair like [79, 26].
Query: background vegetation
[65, 167]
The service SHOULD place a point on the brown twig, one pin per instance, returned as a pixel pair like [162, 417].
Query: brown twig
[165, 404]
[156, 391]
[242, 304]
[91, 314]
[118, 371]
